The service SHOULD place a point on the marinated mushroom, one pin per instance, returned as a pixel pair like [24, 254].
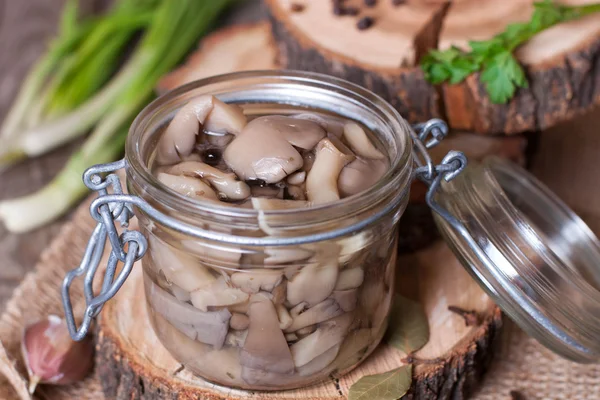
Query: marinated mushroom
[346, 299]
[350, 279]
[211, 327]
[249, 156]
[265, 347]
[359, 142]
[239, 322]
[297, 178]
[225, 118]
[321, 182]
[327, 309]
[179, 138]
[256, 280]
[216, 295]
[360, 174]
[227, 184]
[180, 268]
[331, 124]
[282, 315]
[189, 187]
[328, 335]
[314, 283]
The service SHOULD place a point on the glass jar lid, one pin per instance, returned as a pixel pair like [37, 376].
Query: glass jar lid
[537, 259]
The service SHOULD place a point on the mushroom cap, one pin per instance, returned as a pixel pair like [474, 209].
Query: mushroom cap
[211, 327]
[325, 310]
[216, 295]
[301, 133]
[225, 118]
[328, 335]
[178, 267]
[350, 278]
[360, 175]
[255, 280]
[179, 137]
[265, 347]
[314, 283]
[333, 125]
[227, 184]
[346, 299]
[265, 148]
[358, 140]
[189, 187]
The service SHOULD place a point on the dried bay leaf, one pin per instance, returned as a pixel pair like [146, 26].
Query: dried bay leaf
[408, 328]
[387, 386]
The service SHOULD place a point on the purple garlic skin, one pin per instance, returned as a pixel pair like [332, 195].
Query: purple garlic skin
[51, 356]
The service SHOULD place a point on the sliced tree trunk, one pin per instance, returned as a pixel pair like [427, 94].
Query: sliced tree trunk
[380, 58]
[132, 363]
[561, 63]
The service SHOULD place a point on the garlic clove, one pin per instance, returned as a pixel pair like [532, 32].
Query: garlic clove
[51, 356]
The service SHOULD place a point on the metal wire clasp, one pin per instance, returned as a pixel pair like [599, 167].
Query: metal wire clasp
[425, 136]
[127, 247]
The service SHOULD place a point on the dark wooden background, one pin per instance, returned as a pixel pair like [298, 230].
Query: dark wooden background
[567, 158]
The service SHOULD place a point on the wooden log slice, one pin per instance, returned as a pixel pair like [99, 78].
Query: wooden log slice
[561, 63]
[133, 364]
[378, 58]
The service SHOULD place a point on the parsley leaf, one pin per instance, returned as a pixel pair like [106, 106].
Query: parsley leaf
[501, 73]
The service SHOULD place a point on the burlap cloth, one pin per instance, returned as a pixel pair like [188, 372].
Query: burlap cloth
[522, 365]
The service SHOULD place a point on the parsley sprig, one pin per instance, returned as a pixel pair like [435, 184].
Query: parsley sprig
[501, 73]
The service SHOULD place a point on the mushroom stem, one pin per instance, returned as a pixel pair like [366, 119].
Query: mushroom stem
[321, 182]
[328, 335]
[179, 138]
[189, 187]
[216, 295]
[350, 279]
[183, 270]
[257, 280]
[359, 142]
[323, 311]
[265, 347]
[285, 320]
[226, 184]
[210, 327]
[314, 283]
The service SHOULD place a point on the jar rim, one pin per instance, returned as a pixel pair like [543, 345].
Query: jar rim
[398, 176]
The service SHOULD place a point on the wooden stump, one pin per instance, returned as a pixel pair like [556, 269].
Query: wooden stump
[562, 64]
[132, 364]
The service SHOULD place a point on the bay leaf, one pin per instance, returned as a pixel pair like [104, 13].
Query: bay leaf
[387, 386]
[408, 329]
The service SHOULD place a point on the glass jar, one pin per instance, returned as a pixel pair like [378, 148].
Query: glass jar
[279, 299]
[265, 315]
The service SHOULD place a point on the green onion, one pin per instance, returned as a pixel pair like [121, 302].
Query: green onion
[174, 28]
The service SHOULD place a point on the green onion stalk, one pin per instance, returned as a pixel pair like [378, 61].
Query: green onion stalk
[79, 63]
[175, 28]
